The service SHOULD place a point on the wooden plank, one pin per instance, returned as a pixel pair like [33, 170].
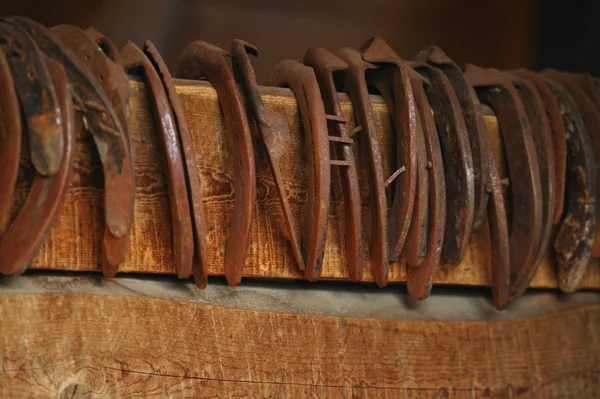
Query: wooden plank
[82, 345]
[74, 243]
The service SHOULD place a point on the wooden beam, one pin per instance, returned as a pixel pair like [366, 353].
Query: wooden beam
[74, 243]
[104, 342]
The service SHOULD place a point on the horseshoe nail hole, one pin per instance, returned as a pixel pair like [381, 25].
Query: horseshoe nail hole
[30, 75]
[101, 77]
[87, 56]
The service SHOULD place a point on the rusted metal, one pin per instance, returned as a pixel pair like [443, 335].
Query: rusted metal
[274, 133]
[136, 62]
[496, 89]
[366, 132]
[203, 60]
[325, 64]
[574, 238]
[419, 280]
[559, 141]
[27, 232]
[112, 141]
[591, 117]
[194, 193]
[475, 125]
[106, 45]
[111, 78]
[10, 138]
[395, 86]
[458, 163]
[302, 81]
[542, 138]
[38, 98]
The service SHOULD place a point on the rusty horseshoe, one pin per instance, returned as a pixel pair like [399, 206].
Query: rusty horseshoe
[203, 60]
[302, 81]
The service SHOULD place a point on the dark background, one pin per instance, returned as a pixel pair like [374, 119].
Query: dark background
[502, 34]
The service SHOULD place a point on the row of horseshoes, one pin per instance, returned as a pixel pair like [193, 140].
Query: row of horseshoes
[56, 82]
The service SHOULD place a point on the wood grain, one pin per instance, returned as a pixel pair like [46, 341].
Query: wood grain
[74, 243]
[94, 346]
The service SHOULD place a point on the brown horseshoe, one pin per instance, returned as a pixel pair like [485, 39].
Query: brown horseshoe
[325, 64]
[419, 280]
[576, 232]
[274, 132]
[542, 138]
[200, 267]
[38, 98]
[458, 163]
[495, 88]
[356, 86]
[303, 82]
[10, 138]
[28, 231]
[112, 79]
[475, 125]
[135, 61]
[559, 141]
[395, 70]
[203, 60]
[111, 140]
[591, 117]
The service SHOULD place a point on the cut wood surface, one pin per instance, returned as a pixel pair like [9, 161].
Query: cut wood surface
[74, 243]
[123, 343]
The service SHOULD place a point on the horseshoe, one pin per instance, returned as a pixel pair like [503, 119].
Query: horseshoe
[458, 163]
[10, 138]
[474, 123]
[591, 117]
[274, 132]
[200, 266]
[395, 71]
[111, 140]
[542, 138]
[366, 125]
[574, 239]
[495, 88]
[419, 280]
[325, 64]
[136, 62]
[302, 81]
[113, 81]
[559, 141]
[19, 243]
[200, 60]
[38, 98]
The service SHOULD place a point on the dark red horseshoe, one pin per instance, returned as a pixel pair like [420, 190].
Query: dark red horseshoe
[200, 266]
[474, 123]
[302, 81]
[559, 141]
[112, 141]
[496, 89]
[366, 125]
[28, 230]
[38, 98]
[458, 163]
[542, 138]
[575, 236]
[274, 132]
[10, 138]
[395, 75]
[203, 60]
[419, 280]
[591, 117]
[135, 61]
[325, 64]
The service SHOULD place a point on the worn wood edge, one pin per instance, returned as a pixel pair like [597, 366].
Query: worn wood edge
[132, 345]
[74, 243]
